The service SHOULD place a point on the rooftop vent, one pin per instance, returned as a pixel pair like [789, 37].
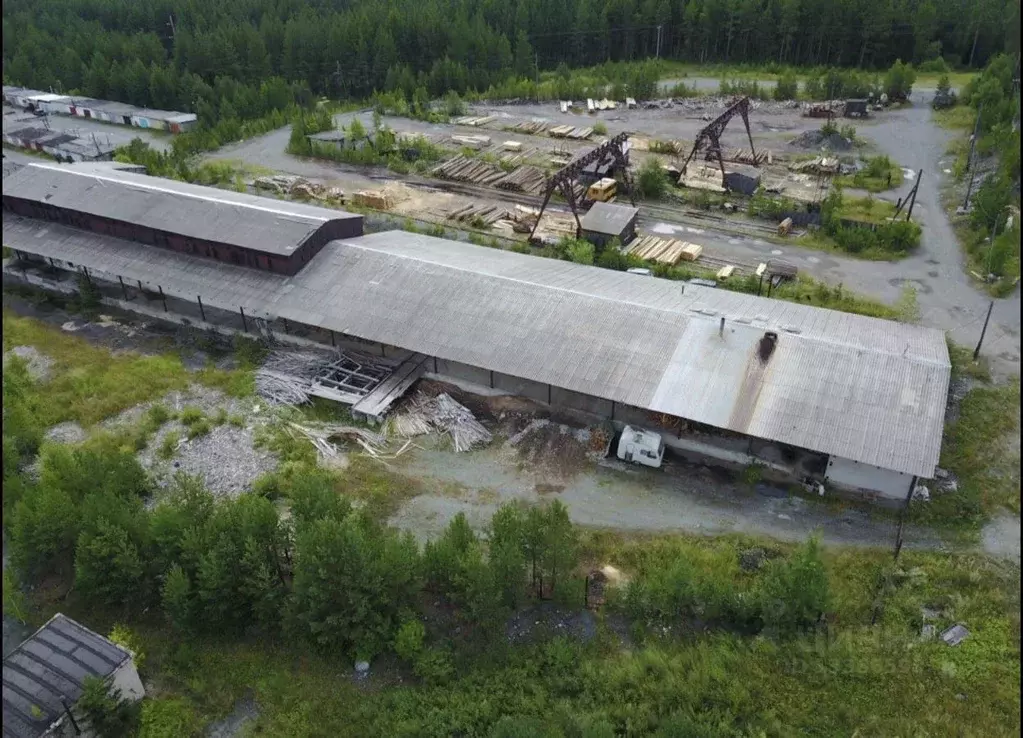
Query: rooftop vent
[767, 346]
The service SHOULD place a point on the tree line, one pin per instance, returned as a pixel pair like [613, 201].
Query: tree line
[213, 57]
[326, 573]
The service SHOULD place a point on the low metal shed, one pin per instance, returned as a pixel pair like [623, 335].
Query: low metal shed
[605, 221]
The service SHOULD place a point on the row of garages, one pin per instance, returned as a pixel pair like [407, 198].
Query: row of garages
[101, 110]
[61, 145]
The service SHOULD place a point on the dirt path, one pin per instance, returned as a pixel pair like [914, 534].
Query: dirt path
[683, 497]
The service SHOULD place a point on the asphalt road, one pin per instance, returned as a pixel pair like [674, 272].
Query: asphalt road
[947, 297]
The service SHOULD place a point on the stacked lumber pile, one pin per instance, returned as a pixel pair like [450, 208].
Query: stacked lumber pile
[463, 169]
[485, 215]
[528, 179]
[746, 156]
[664, 250]
[535, 127]
[472, 142]
[370, 199]
[470, 120]
[570, 132]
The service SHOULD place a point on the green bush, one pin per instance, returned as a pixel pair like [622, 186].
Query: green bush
[796, 592]
[191, 415]
[199, 428]
[108, 715]
[168, 717]
[434, 666]
[787, 87]
[408, 643]
[599, 128]
[652, 180]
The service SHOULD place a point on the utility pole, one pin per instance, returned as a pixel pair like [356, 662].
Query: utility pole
[912, 201]
[658, 54]
[976, 351]
[974, 49]
[174, 32]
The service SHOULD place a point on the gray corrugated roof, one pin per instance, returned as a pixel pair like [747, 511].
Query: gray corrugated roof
[50, 665]
[604, 217]
[223, 216]
[861, 388]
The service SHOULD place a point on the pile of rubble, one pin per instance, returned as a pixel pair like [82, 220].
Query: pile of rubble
[422, 415]
[282, 184]
[819, 140]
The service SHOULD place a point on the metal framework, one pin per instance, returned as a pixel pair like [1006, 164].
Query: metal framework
[709, 139]
[910, 199]
[350, 378]
[564, 179]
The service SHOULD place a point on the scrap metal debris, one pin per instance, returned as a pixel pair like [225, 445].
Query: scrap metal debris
[421, 415]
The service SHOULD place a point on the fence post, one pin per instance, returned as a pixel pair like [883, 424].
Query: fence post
[201, 311]
[245, 324]
[163, 298]
[124, 290]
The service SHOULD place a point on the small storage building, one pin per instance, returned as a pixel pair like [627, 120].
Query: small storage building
[45, 675]
[855, 108]
[605, 221]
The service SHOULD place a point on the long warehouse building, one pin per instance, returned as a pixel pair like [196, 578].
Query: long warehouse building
[869, 394]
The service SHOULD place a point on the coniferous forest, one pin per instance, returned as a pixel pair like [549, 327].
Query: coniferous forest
[260, 55]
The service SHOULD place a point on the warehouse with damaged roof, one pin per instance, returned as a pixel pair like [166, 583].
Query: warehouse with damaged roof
[863, 397]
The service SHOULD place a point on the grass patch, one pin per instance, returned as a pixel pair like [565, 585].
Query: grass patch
[169, 446]
[190, 416]
[874, 177]
[978, 450]
[959, 118]
[199, 429]
[865, 209]
[88, 383]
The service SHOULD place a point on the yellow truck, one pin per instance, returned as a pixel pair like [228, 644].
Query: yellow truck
[603, 190]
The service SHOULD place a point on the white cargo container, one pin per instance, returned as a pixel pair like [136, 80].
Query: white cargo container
[640, 446]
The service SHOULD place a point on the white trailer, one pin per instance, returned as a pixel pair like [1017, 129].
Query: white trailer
[640, 446]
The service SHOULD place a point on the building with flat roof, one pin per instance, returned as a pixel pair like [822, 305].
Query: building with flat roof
[107, 111]
[865, 396]
[44, 677]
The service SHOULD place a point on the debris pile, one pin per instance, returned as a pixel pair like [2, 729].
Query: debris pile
[442, 413]
[320, 435]
[283, 184]
[819, 140]
[286, 377]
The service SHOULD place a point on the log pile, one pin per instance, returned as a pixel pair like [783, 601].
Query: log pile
[480, 215]
[463, 169]
[528, 179]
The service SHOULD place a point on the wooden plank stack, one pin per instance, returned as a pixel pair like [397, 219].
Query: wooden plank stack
[664, 250]
[570, 132]
[534, 127]
[474, 121]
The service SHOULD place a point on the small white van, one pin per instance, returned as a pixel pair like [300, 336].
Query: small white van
[639, 446]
